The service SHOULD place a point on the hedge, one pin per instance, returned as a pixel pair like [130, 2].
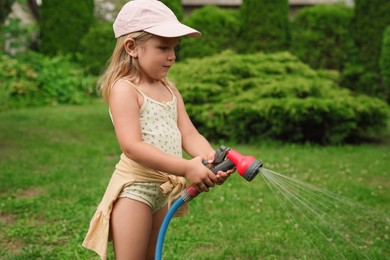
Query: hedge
[219, 28]
[249, 97]
[63, 24]
[264, 26]
[96, 47]
[385, 62]
[369, 22]
[321, 35]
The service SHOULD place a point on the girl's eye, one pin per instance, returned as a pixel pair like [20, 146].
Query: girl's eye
[168, 48]
[163, 48]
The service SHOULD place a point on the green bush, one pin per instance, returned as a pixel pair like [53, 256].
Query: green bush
[219, 28]
[385, 62]
[36, 80]
[321, 35]
[249, 97]
[176, 7]
[369, 22]
[63, 24]
[264, 26]
[96, 47]
[6, 7]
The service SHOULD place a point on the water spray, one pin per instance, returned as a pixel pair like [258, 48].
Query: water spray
[343, 224]
[225, 159]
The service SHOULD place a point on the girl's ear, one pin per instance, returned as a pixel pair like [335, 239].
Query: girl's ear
[130, 47]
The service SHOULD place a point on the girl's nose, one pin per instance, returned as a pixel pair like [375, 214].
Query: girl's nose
[172, 55]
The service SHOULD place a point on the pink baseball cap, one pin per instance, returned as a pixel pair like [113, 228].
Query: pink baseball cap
[151, 16]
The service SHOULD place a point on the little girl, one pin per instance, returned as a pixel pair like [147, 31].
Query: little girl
[152, 128]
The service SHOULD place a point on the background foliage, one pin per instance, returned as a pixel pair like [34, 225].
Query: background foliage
[63, 24]
[385, 62]
[222, 35]
[369, 21]
[35, 80]
[264, 26]
[176, 7]
[5, 9]
[321, 36]
[96, 47]
[249, 97]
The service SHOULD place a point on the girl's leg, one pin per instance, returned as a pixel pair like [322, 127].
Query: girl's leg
[131, 223]
[158, 218]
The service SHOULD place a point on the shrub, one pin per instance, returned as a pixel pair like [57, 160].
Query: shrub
[96, 47]
[6, 7]
[249, 97]
[264, 26]
[368, 24]
[385, 62]
[321, 36]
[35, 80]
[219, 28]
[63, 24]
[176, 7]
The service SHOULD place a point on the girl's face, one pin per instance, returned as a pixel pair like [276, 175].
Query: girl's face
[156, 56]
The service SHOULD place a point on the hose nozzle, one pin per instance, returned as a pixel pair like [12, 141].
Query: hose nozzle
[226, 159]
[247, 166]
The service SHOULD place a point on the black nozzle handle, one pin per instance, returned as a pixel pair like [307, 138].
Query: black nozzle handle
[223, 166]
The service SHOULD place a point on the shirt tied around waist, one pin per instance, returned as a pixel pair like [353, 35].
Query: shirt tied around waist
[127, 172]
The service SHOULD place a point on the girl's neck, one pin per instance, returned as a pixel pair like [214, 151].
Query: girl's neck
[152, 84]
[147, 80]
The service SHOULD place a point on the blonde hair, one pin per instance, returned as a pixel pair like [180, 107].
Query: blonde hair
[121, 64]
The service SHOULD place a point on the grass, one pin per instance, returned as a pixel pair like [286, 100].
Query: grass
[55, 163]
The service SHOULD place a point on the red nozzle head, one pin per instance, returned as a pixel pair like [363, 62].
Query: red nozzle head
[247, 166]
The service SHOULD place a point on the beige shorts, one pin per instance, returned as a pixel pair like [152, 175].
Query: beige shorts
[148, 193]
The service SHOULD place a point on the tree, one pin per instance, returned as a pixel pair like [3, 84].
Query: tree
[265, 25]
[5, 9]
[215, 38]
[369, 22]
[327, 28]
[385, 62]
[176, 7]
[63, 24]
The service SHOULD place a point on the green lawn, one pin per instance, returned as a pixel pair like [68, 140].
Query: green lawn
[55, 163]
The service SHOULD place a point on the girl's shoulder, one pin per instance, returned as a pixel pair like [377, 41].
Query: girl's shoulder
[125, 88]
[125, 81]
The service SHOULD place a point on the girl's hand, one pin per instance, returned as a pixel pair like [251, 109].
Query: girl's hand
[200, 176]
[221, 175]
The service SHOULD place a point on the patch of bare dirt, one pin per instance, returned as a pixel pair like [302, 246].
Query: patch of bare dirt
[30, 192]
[11, 246]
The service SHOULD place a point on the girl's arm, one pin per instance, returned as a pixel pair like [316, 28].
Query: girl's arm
[192, 141]
[124, 106]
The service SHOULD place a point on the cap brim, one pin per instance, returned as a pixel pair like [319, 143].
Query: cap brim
[172, 30]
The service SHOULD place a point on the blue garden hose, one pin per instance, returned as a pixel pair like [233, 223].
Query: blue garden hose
[164, 226]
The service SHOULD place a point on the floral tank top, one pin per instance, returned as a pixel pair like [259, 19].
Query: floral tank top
[159, 124]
